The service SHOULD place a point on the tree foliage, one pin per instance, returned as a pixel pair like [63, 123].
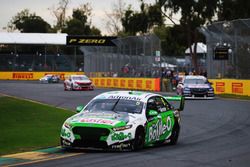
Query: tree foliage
[143, 21]
[27, 22]
[79, 23]
[113, 23]
[233, 9]
[194, 13]
[60, 13]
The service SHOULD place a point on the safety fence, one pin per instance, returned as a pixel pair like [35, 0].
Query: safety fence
[235, 37]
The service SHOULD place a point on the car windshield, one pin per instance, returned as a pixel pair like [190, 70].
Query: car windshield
[80, 78]
[116, 105]
[194, 81]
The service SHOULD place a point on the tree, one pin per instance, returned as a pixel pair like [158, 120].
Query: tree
[172, 42]
[79, 24]
[60, 14]
[194, 13]
[24, 21]
[143, 21]
[233, 9]
[113, 23]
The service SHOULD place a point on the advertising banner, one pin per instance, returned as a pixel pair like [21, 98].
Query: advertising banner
[231, 86]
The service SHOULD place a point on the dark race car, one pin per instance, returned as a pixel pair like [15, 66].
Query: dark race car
[50, 78]
[195, 87]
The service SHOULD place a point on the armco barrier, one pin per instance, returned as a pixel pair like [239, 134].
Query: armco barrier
[231, 86]
[150, 84]
[32, 75]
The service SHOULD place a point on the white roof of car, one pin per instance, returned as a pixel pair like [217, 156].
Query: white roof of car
[129, 95]
[78, 75]
[195, 77]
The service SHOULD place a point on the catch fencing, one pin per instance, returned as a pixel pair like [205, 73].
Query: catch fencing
[135, 56]
[234, 35]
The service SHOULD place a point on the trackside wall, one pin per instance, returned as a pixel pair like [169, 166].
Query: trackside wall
[149, 84]
[221, 86]
[32, 75]
[231, 86]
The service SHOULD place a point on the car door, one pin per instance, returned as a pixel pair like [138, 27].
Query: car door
[159, 126]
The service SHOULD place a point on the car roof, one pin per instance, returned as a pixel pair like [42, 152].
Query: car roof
[130, 95]
[195, 77]
[78, 75]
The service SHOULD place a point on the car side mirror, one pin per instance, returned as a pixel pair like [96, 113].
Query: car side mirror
[177, 102]
[79, 108]
[152, 113]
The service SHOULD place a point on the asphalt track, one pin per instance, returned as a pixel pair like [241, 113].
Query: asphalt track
[215, 133]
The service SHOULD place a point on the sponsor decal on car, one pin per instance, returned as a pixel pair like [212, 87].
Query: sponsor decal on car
[121, 136]
[99, 121]
[125, 97]
[159, 128]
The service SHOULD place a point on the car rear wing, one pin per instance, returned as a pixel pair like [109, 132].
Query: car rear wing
[177, 102]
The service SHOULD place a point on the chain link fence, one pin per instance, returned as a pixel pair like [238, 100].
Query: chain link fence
[236, 36]
[131, 57]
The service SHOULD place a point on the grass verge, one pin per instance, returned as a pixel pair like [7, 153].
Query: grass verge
[26, 126]
[232, 96]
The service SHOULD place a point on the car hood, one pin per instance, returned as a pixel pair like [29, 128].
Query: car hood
[82, 81]
[196, 86]
[106, 118]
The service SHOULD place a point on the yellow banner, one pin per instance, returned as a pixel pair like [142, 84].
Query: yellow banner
[231, 86]
[150, 84]
[32, 75]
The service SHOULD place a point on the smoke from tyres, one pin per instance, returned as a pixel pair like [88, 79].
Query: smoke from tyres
[90, 41]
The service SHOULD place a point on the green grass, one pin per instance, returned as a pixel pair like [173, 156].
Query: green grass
[26, 126]
[232, 96]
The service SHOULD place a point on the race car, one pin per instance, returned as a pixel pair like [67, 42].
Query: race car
[78, 82]
[50, 78]
[195, 87]
[123, 120]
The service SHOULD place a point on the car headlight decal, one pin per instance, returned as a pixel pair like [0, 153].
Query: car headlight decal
[67, 125]
[122, 128]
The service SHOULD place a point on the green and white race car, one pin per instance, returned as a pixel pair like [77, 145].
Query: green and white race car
[123, 120]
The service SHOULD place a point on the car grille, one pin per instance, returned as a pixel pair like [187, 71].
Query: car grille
[199, 91]
[90, 137]
[84, 85]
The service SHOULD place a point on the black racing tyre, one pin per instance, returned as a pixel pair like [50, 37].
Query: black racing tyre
[71, 87]
[65, 87]
[175, 134]
[138, 142]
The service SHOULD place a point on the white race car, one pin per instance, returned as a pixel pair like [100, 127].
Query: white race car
[78, 82]
[122, 120]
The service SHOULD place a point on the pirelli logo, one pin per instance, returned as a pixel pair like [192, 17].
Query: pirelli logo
[220, 87]
[22, 75]
[90, 41]
[237, 88]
